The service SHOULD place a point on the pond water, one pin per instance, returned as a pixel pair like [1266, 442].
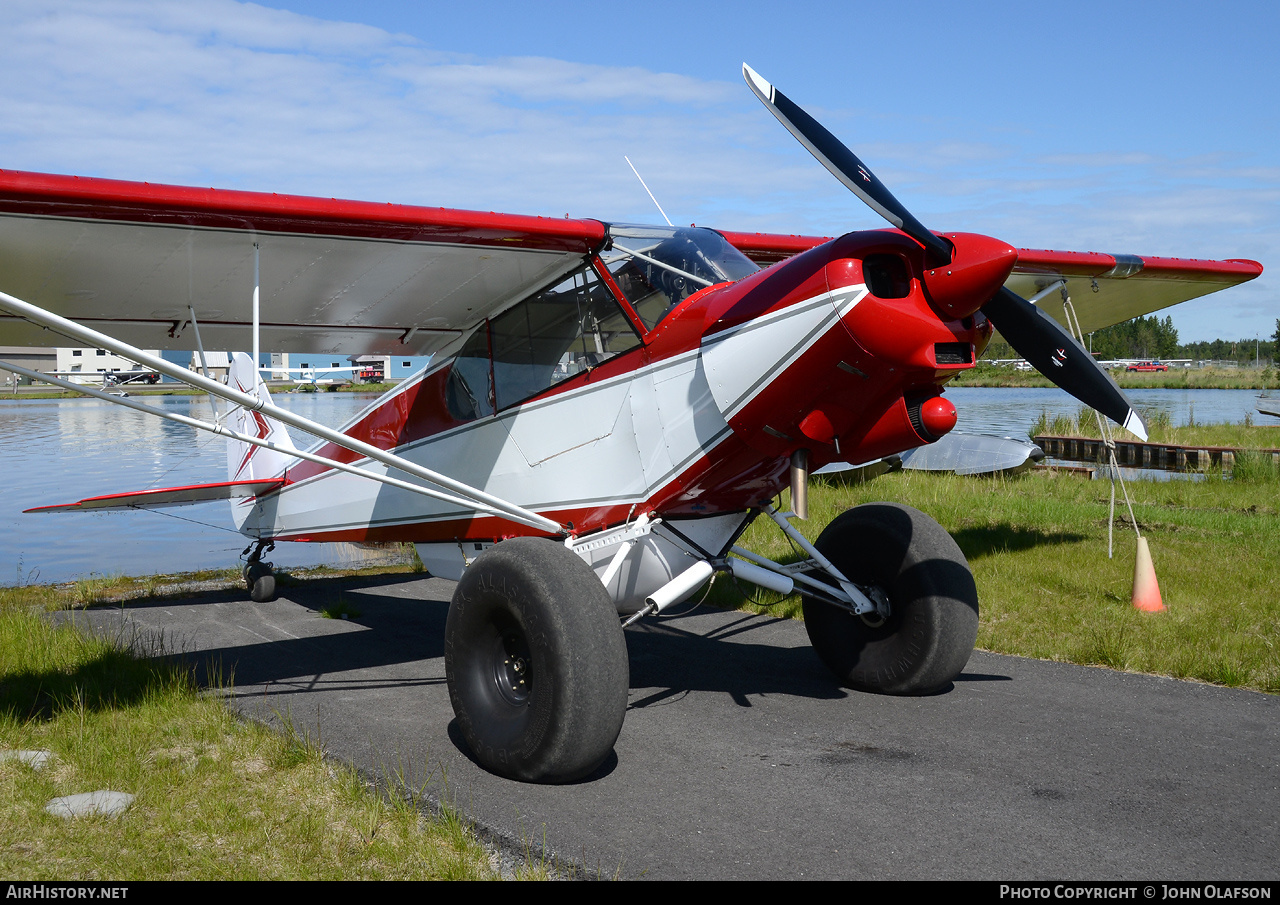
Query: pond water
[1011, 411]
[62, 450]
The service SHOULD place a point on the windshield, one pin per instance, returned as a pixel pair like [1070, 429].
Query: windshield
[658, 267]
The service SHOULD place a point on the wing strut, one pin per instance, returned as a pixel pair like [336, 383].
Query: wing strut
[93, 338]
[204, 363]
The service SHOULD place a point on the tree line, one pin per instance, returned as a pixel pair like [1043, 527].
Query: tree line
[1152, 337]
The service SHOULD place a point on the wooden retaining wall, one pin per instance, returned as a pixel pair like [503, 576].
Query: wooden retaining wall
[1135, 454]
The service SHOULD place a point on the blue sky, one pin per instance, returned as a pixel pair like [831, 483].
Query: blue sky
[1121, 127]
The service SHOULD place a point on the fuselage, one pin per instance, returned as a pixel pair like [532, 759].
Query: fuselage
[840, 351]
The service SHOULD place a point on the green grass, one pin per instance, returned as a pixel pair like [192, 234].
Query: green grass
[339, 609]
[172, 389]
[1176, 378]
[1253, 468]
[216, 797]
[1037, 545]
[985, 375]
[1161, 430]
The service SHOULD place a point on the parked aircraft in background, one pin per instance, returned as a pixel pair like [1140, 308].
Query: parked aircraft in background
[111, 378]
[307, 376]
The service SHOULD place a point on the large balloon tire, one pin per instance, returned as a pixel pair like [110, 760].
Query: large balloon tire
[536, 662]
[926, 641]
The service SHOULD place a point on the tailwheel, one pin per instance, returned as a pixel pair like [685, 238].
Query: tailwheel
[536, 662]
[913, 564]
[259, 576]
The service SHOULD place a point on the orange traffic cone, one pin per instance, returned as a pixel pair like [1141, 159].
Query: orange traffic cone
[1146, 590]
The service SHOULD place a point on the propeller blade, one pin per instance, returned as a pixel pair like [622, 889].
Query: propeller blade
[1054, 352]
[845, 165]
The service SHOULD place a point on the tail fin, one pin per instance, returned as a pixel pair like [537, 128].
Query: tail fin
[246, 462]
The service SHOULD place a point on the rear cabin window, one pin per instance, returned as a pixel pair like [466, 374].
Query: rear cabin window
[549, 337]
[469, 390]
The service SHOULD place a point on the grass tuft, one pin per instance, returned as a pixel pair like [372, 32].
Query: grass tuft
[1255, 467]
[339, 609]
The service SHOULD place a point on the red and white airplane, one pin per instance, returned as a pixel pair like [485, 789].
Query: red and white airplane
[606, 409]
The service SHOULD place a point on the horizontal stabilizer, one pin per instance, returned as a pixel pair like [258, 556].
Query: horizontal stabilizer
[169, 496]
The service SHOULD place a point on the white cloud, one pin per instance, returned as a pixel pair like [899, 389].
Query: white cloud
[249, 97]
[240, 96]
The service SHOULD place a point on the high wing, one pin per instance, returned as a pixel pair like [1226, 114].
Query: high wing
[340, 277]
[1109, 289]
[352, 277]
[1105, 289]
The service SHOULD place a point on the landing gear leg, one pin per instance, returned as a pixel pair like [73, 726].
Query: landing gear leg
[259, 576]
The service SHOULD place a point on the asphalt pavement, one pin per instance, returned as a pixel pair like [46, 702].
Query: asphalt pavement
[741, 759]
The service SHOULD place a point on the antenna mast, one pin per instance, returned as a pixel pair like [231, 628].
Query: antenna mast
[646, 188]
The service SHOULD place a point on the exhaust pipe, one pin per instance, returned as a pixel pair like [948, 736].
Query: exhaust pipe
[800, 483]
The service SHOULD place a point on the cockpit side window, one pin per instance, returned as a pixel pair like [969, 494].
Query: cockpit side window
[649, 301]
[556, 334]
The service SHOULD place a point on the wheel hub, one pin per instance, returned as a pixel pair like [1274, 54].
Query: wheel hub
[878, 617]
[511, 673]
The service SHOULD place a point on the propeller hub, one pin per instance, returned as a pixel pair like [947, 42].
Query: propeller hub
[979, 266]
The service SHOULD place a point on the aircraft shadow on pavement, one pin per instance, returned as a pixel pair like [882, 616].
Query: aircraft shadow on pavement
[388, 632]
[673, 660]
[701, 650]
[308, 589]
[206, 632]
[364, 653]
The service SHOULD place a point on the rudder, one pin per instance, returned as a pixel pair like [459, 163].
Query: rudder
[245, 461]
